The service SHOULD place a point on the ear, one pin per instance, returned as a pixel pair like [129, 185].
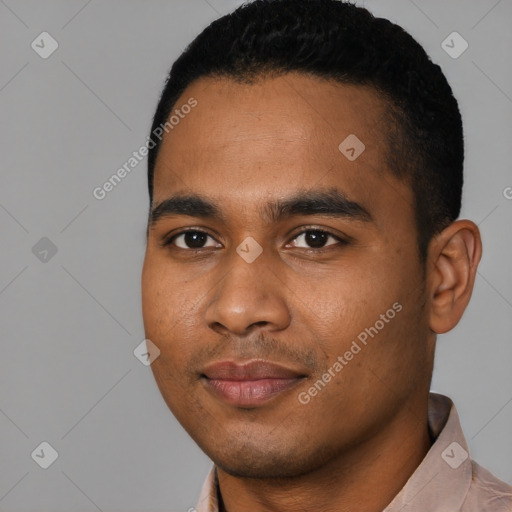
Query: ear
[453, 259]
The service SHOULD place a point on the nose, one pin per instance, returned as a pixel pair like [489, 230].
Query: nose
[249, 295]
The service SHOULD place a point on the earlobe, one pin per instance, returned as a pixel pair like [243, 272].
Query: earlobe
[454, 255]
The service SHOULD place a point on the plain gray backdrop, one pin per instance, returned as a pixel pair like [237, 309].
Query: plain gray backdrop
[70, 281]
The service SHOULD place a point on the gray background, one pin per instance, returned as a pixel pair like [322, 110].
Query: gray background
[70, 323]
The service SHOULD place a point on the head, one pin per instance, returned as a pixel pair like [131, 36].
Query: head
[317, 168]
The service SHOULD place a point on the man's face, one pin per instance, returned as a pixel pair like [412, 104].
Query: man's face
[320, 283]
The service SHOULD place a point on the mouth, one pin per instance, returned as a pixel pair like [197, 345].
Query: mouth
[249, 384]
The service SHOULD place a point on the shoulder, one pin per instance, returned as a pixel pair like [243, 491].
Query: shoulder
[487, 492]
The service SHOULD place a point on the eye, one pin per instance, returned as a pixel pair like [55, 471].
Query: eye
[194, 239]
[189, 240]
[317, 238]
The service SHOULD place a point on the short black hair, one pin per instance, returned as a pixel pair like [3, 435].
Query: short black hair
[337, 40]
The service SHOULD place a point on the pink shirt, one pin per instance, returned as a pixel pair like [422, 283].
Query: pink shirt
[447, 480]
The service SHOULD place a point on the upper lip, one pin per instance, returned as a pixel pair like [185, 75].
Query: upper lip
[251, 370]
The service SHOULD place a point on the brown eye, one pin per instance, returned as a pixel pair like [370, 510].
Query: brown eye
[316, 238]
[191, 239]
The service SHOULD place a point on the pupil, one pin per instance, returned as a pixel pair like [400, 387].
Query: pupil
[313, 238]
[316, 238]
[194, 239]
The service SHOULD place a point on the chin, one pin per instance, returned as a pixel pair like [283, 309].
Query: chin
[265, 461]
[259, 470]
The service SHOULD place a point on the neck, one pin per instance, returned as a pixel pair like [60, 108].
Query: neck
[363, 478]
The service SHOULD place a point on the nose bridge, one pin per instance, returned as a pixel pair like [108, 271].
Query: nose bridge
[249, 293]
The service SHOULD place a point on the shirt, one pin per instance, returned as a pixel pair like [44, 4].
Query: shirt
[447, 480]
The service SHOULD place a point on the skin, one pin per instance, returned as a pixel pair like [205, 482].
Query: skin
[355, 444]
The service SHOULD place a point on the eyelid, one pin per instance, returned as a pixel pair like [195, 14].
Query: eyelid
[167, 240]
[342, 239]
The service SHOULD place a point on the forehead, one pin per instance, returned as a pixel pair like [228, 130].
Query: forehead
[245, 142]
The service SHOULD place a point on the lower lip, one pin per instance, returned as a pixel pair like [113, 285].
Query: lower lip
[249, 392]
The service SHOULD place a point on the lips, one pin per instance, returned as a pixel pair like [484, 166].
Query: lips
[252, 370]
[249, 384]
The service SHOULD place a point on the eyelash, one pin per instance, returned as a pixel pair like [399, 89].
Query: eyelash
[168, 241]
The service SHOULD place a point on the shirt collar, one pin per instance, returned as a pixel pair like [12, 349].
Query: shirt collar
[441, 482]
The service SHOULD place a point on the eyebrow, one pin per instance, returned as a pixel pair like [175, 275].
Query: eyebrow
[328, 203]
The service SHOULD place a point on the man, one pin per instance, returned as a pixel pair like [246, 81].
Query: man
[303, 253]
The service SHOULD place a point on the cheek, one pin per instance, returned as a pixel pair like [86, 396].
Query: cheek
[375, 303]
[347, 298]
[160, 303]
[152, 289]
[160, 309]
[171, 319]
